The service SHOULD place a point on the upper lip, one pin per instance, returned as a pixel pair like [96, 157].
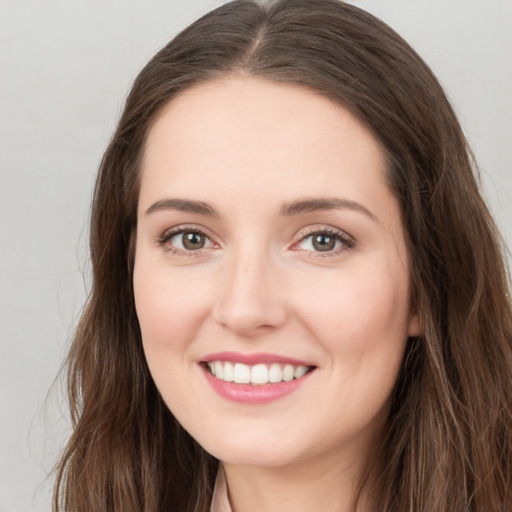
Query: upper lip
[253, 359]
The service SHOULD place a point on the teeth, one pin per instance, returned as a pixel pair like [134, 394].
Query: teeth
[228, 372]
[300, 371]
[258, 374]
[275, 373]
[288, 372]
[219, 370]
[241, 373]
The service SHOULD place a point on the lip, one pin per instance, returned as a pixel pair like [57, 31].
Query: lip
[253, 359]
[248, 393]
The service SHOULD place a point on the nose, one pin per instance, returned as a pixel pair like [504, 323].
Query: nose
[252, 299]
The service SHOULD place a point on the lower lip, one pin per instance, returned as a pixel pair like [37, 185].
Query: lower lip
[253, 394]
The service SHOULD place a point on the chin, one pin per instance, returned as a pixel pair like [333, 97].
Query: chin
[254, 452]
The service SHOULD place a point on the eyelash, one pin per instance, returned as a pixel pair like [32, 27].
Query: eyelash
[347, 242]
[168, 235]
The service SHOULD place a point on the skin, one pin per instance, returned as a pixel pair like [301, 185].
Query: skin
[246, 147]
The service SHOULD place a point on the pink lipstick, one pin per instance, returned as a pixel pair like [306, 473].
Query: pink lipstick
[254, 378]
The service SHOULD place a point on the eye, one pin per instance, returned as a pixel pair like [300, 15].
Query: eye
[189, 240]
[326, 241]
[185, 240]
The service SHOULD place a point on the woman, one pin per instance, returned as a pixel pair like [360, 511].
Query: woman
[299, 297]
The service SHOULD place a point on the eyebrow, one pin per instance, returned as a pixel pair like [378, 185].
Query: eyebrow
[308, 205]
[183, 205]
[289, 209]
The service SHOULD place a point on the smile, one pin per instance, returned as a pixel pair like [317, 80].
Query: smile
[258, 374]
[254, 378]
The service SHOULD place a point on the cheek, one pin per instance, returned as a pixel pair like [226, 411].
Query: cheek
[360, 316]
[170, 309]
[361, 324]
[356, 303]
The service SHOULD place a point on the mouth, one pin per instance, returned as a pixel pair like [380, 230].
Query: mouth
[256, 378]
[258, 374]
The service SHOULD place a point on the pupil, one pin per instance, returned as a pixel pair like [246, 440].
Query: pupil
[193, 241]
[324, 242]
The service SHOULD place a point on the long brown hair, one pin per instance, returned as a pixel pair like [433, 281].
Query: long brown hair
[448, 443]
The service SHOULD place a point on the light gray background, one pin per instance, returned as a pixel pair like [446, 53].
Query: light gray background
[65, 67]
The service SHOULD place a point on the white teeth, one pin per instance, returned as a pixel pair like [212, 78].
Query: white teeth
[219, 370]
[242, 374]
[228, 372]
[288, 372]
[275, 373]
[258, 374]
[299, 371]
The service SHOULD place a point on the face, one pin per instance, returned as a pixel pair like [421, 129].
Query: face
[271, 277]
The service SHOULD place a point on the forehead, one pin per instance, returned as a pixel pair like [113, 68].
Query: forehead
[245, 132]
